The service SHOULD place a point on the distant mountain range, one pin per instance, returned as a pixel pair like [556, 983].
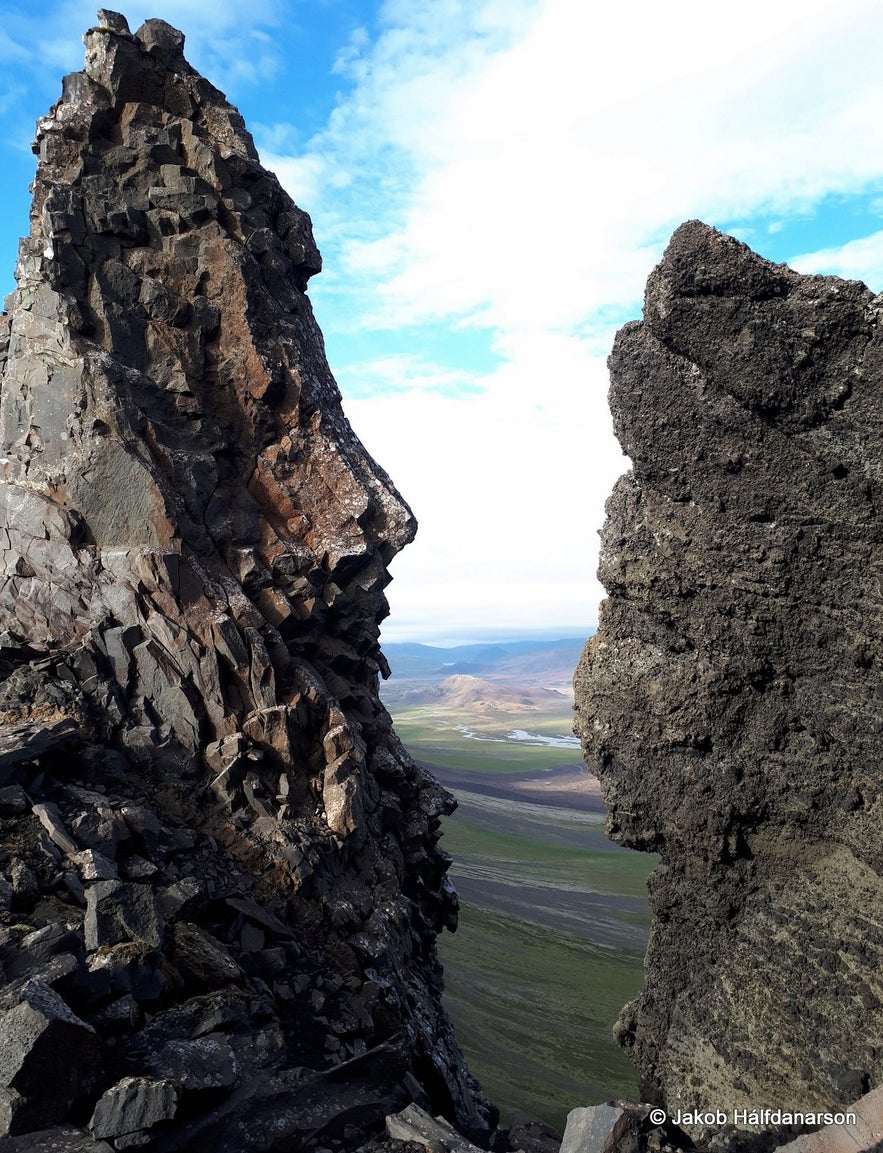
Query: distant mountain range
[525, 663]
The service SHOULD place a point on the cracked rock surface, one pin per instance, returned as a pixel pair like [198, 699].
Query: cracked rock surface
[730, 702]
[219, 882]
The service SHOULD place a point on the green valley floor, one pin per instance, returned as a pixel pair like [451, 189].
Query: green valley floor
[553, 919]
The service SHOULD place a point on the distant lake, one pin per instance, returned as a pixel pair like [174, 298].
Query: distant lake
[522, 737]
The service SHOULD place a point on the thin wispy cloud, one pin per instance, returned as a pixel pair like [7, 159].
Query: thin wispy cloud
[856, 260]
[48, 40]
[11, 50]
[403, 372]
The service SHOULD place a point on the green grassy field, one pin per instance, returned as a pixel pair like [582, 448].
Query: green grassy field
[437, 739]
[592, 869]
[533, 1009]
[553, 922]
[550, 947]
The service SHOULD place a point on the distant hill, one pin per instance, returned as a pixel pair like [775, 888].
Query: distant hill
[526, 662]
[475, 694]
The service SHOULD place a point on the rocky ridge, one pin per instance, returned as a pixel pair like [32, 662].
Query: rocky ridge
[220, 885]
[730, 701]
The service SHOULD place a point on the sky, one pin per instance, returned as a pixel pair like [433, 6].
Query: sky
[490, 183]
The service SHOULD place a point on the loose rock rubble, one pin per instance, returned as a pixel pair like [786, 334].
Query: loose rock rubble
[415, 1125]
[220, 885]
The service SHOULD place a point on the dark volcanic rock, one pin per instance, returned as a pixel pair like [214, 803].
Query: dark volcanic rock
[133, 1105]
[730, 700]
[47, 1056]
[204, 804]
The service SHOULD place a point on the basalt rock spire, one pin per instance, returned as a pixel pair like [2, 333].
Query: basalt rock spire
[730, 702]
[205, 811]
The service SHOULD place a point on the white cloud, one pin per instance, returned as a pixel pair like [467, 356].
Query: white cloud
[508, 486]
[860, 259]
[518, 167]
[352, 52]
[567, 157]
[302, 176]
[408, 373]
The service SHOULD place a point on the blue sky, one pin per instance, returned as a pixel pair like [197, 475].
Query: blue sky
[490, 183]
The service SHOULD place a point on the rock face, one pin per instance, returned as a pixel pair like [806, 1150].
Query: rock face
[220, 883]
[730, 702]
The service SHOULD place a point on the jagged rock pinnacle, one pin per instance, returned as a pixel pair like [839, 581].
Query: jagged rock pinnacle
[729, 701]
[193, 556]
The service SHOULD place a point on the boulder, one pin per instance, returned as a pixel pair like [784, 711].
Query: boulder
[48, 1057]
[434, 1133]
[133, 1105]
[116, 911]
[588, 1128]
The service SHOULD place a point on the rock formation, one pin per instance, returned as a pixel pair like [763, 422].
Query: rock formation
[730, 702]
[219, 881]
